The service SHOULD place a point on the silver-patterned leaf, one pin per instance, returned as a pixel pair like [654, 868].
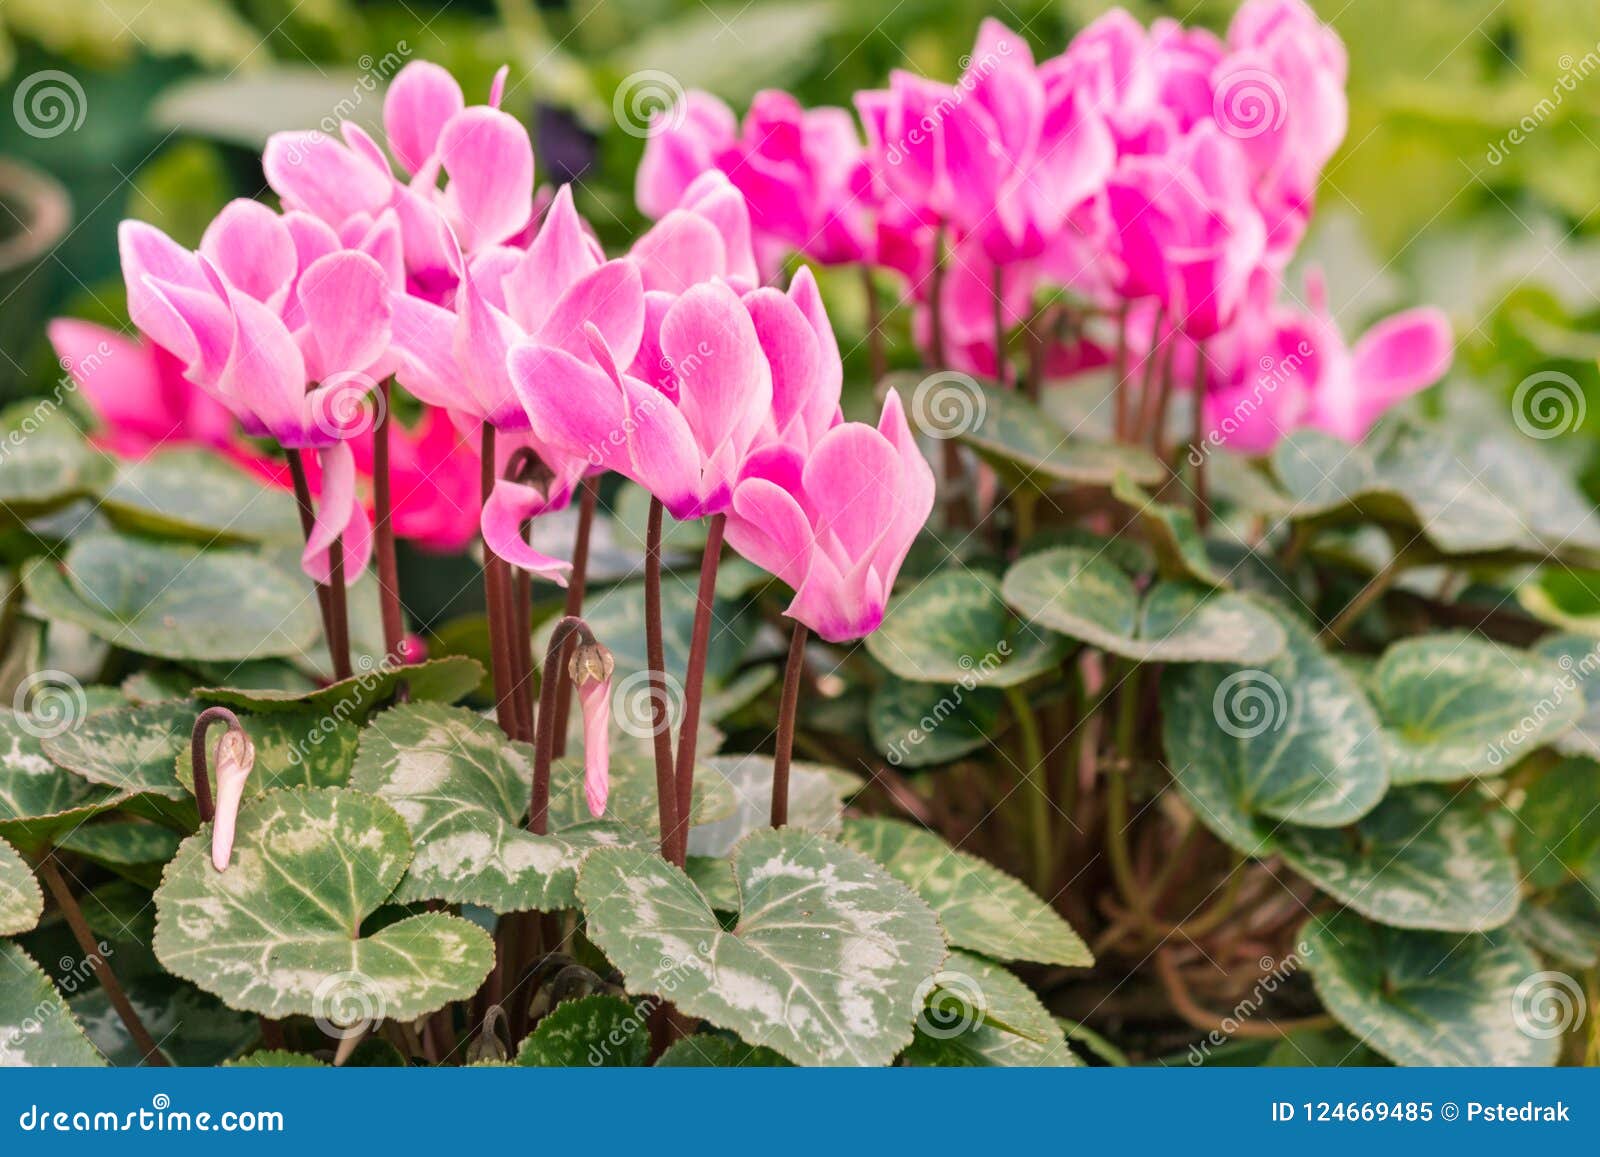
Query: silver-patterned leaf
[21, 902]
[1179, 546]
[979, 1015]
[926, 724]
[981, 908]
[279, 932]
[198, 495]
[1558, 836]
[38, 800]
[48, 463]
[600, 1031]
[37, 1028]
[442, 680]
[1578, 657]
[814, 800]
[826, 962]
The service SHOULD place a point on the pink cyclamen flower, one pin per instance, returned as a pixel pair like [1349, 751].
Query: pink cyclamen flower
[287, 330]
[836, 523]
[591, 668]
[803, 172]
[1294, 370]
[483, 155]
[234, 759]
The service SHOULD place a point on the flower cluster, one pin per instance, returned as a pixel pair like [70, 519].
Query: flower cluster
[1163, 177]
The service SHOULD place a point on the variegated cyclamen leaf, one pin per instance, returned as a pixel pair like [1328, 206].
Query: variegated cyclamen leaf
[21, 902]
[1562, 922]
[1455, 706]
[632, 802]
[48, 463]
[600, 1031]
[198, 495]
[37, 1028]
[1295, 739]
[814, 802]
[954, 628]
[1426, 857]
[1578, 660]
[463, 789]
[279, 932]
[176, 602]
[1179, 546]
[442, 680]
[715, 1051]
[825, 965]
[129, 748]
[979, 1015]
[195, 1029]
[1431, 998]
[926, 724]
[1558, 836]
[980, 907]
[39, 800]
[1074, 591]
[130, 847]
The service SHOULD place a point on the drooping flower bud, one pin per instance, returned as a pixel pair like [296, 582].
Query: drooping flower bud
[235, 757]
[591, 667]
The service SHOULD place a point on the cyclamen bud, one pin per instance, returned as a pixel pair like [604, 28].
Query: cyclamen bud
[591, 668]
[235, 757]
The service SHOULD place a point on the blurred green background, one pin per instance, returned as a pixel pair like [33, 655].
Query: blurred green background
[1431, 198]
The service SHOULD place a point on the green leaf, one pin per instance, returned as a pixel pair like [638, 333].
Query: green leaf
[1295, 740]
[979, 1015]
[443, 680]
[293, 749]
[48, 463]
[463, 788]
[36, 1027]
[279, 932]
[1426, 857]
[1562, 922]
[1578, 658]
[980, 907]
[176, 602]
[1455, 706]
[1558, 839]
[1015, 436]
[601, 1031]
[129, 748]
[275, 1059]
[1073, 591]
[814, 803]
[199, 496]
[919, 725]
[21, 902]
[955, 628]
[131, 847]
[631, 802]
[1179, 546]
[38, 799]
[825, 964]
[194, 1029]
[1430, 998]
[713, 1051]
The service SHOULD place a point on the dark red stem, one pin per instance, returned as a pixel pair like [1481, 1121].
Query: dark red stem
[656, 657]
[588, 492]
[568, 633]
[793, 675]
[197, 756]
[394, 623]
[694, 681]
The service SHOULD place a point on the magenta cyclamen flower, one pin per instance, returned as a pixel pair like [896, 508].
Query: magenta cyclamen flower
[286, 329]
[836, 523]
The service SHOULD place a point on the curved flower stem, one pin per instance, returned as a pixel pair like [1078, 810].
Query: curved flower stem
[694, 678]
[656, 658]
[588, 492]
[494, 594]
[1038, 789]
[876, 361]
[90, 948]
[197, 756]
[570, 631]
[308, 518]
[394, 623]
[793, 673]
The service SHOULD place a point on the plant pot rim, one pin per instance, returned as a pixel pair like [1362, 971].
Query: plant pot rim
[44, 207]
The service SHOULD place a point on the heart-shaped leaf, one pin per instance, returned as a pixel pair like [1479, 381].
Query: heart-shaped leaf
[1562, 922]
[980, 907]
[463, 789]
[198, 495]
[21, 902]
[48, 463]
[1295, 739]
[177, 602]
[1558, 838]
[927, 724]
[1578, 658]
[955, 628]
[1426, 857]
[37, 1029]
[279, 932]
[1081, 595]
[1179, 546]
[825, 964]
[39, 800]
[442, 680]
[1455, 706]
[714, 1051]
[1431, 998]
[979, 1015]
[600, 1031]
